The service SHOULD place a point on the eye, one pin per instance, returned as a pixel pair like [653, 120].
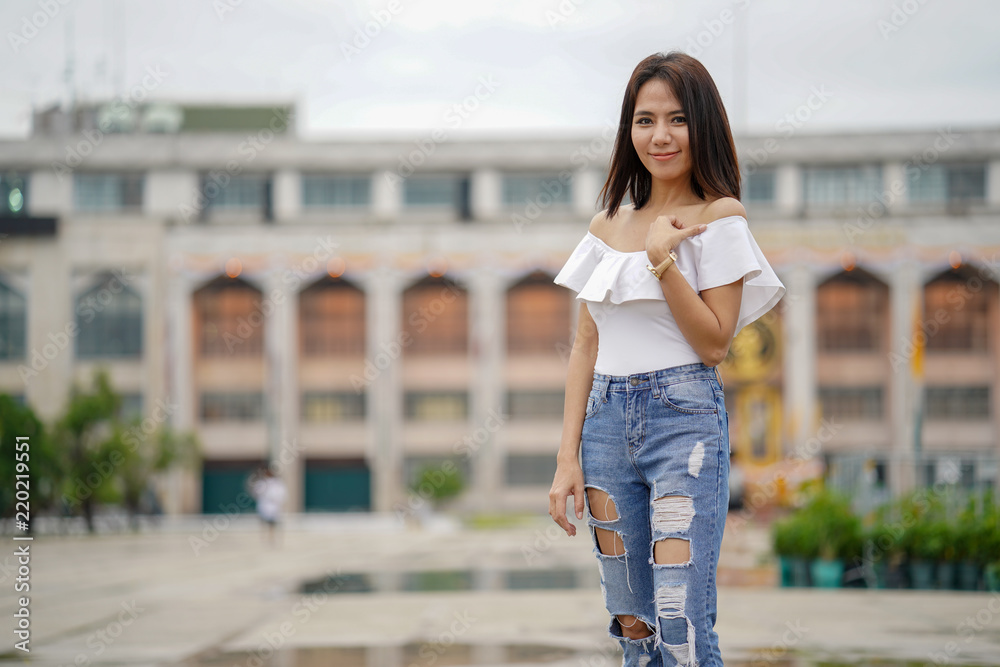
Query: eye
[639, 122]
[680, 119]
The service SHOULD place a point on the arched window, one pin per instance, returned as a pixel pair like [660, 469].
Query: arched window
[13, 323]
[852, 310]
[956, 311]
[538, 315]
[109, 319]
[436, 316]
[332, 317]
[229, 320]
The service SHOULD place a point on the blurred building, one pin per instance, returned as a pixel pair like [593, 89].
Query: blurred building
[358, 310]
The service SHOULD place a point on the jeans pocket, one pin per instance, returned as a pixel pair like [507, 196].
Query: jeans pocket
[696, 397]
[594, 402]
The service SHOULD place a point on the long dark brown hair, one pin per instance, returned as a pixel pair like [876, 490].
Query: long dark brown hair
[714, 166]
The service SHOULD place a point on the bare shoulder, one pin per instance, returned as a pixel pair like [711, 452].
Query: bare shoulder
[600, 222]
[722, 207]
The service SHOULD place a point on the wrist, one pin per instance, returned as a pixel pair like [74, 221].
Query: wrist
[567, 458]
[660, 268]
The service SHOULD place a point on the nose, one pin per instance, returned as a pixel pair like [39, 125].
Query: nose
[661, 135]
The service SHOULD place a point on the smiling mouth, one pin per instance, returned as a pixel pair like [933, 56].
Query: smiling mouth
[663, 156]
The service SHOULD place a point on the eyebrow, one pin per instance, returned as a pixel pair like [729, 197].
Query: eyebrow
[650, 113]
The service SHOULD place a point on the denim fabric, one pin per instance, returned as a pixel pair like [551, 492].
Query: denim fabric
[658, 444]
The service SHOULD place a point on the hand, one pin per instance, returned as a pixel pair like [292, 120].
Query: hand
[568, 482]
[665, 234]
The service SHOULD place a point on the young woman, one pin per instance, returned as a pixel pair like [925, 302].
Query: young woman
[664, 283]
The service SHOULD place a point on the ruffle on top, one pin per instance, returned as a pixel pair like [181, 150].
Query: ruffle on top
[725, 252]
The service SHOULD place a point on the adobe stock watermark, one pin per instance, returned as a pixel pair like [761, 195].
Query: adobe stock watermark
[215, 181]
[418, 322]
[213, 528]
[581, 158]
[120, 107]
[33, 24]
[968, 628]
[899, 16]
[912, 168]
[292, 279]
[133, 438]
[802, 454]
[930, 326]
[86, 311]
[363, 36]
[467, 447]
[454, 117]
[787, 126]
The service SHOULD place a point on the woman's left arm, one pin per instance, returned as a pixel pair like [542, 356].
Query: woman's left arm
[707, 320]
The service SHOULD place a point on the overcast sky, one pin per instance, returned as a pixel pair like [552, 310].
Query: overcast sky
[552, 66]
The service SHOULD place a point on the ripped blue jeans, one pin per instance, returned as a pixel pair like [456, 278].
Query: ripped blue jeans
[657, 445]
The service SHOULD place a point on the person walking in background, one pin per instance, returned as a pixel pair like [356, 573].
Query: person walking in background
[269, 492]
[665, 283]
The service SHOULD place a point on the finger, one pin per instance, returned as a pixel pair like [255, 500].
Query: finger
[578, 501]
[693, 231]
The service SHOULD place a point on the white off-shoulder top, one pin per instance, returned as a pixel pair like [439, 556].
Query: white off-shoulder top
[636, 330]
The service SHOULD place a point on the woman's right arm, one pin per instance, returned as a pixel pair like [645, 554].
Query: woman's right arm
[579, 381]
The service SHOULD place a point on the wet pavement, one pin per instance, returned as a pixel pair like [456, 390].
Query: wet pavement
[366, 591]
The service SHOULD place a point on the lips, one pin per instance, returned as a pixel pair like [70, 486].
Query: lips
[663, 156]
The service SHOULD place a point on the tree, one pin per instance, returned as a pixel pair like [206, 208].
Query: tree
[42, 465]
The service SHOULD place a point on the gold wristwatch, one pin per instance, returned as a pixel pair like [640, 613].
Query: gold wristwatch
[664, 265]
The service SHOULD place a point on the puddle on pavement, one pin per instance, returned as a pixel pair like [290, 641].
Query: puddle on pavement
[453, 580]
[480, 655]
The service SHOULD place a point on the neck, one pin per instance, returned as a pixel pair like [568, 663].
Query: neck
[665, 195]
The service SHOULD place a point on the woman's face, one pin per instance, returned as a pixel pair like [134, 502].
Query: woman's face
[660, 131]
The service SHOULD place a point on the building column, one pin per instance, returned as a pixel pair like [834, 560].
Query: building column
[281, 398]
[788, 189]
[383, 327]
[799, 323]
[181, 394]
[993, 184]
[487, 188]
[387, 195]
[894, 186]
[904, 297]
[586, 187]
[487, 335]
[287, 195]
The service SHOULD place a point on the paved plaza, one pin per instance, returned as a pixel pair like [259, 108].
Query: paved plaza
[190, 593]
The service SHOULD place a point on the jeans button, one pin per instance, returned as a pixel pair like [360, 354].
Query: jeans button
[634, 381]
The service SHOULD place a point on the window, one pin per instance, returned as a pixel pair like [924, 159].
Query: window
[851, 403]
[956, 303]
[246, 193]
[439, 190]
[758, 187]
[543, 190]
[229, 319]
[332, 314]
[947, 183]
[943, 402]
[13, 194]
[530, 403]
[232, 406]
[109, 317]
[435, 317]
[339, 191]
[835, 186]
[330, 406]
[108, 192]
[435, 405]
[13, 323]
[851, 313]
[538, 315]
[530, 469]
